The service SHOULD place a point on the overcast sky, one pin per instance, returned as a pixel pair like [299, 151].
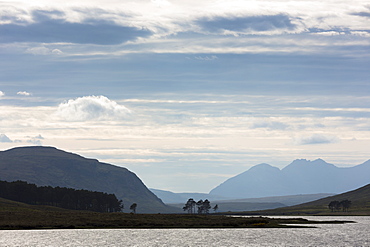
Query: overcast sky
[188, 93]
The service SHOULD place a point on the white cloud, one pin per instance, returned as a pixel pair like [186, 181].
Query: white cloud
[92, 108]
[36, 140]
[2, 93]
[206, 58]
[24, 93]
[315, 139]
[4, 138]
[238, 21]
[43, 51]
[268, 124]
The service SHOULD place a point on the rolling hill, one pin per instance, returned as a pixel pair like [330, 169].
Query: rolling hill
[169, 197]
[48, 166]
[360, 205]
[228, 204]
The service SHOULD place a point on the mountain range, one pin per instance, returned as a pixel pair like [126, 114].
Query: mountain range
[48, 166]
[229, 204]
[300, 177]
[263, 184]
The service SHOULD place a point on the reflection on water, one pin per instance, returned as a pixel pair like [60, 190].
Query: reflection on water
[356, 234]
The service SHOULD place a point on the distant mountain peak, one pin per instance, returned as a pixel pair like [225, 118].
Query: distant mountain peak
[263, 167]
[319, 161]
[308, 164]
[302, 176]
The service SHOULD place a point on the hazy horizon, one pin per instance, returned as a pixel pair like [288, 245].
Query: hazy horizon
[185, 93]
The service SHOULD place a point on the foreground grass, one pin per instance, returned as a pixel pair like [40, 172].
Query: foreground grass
[14, 215]
[76, 219]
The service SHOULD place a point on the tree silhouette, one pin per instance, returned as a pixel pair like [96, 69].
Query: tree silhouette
[337, 205]
[60, 197]
[200, 206]
[206, 206]
[333, 205]
[133, 208]
[215, 208]
[190, 206]
[346, 204]
[203, 207]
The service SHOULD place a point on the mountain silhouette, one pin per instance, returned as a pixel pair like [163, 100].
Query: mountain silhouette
[48, 166]
[300, 177]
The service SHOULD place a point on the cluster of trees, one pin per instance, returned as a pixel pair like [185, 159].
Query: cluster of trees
[60, 197]
[200, 207]
[338, 205]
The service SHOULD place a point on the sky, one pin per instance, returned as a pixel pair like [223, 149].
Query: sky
[187, 94]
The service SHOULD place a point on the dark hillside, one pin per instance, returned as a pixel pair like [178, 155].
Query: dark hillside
[48, 166]
[360, 205]
[360, 198]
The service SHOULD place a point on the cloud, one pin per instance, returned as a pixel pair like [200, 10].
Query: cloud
[51, 27]
[243, 25]
[365, 14]
[4, 138]
[36, 140]
[24, 93]
[315, 139]
[43, 51]
[163, 26]
[92, 108]
[206, 58]
[2, 93]
[272, 125]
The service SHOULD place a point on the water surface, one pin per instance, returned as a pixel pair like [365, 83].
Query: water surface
[354, 234]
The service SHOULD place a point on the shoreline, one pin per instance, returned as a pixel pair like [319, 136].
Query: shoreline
[90, 220]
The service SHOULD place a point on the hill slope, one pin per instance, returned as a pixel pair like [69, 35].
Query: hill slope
[169, 197]
[360, 199]
[299, 177]
[228, 204]
[45, 166]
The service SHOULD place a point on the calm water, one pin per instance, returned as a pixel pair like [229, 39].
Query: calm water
[357, 234]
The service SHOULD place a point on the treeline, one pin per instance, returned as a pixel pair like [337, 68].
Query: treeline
[60, 197]
[338, 205]
[201, 207]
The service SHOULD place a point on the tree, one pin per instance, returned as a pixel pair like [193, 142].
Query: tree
[346, 204]
[190, 206]
[133, 208]
[215, 208]
[200, 206]
[338, 205]
[206, 206]
[60, 197]
[334, 205]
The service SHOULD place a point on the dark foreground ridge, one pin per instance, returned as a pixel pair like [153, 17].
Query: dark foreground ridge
[359, 206]
[48, 166]
[16, 215]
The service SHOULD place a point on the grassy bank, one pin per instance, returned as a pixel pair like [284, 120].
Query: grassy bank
[61, 220]
[14, 215]
[306, 211]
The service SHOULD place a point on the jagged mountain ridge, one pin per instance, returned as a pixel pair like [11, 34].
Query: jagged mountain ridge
[48, 166]
[300, 177]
